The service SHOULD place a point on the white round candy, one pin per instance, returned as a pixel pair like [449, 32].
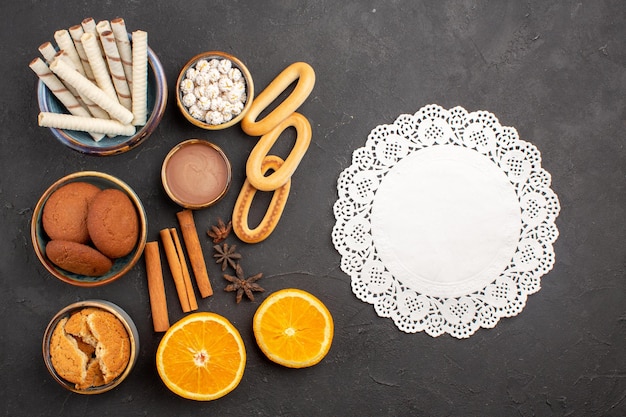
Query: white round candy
[189, 99]
[187, 86]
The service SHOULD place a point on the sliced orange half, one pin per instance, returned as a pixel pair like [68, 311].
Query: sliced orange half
[201, 357]
[293, 328]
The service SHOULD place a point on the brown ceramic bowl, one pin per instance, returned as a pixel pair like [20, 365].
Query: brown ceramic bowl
[236, 63]
[196, 174]
[121, 315]
[121, 265]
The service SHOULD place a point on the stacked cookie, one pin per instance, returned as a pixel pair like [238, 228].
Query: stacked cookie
[90, 348]
[89, 227]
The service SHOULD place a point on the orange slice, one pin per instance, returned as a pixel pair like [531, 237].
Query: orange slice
[293, 328]
[201, 357]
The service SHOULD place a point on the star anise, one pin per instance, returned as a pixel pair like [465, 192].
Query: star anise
[243, 285]
[226, 255]
[220, 231]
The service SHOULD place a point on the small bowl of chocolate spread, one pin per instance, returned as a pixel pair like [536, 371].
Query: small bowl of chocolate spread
[196, 174]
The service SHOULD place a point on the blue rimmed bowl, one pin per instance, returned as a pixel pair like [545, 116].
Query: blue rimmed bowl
[121, 265]
[84, 143]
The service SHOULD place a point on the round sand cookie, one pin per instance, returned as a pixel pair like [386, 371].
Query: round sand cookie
[77, 258]
[67, 359]
[113, 223]
[113, 349]
[64, 215]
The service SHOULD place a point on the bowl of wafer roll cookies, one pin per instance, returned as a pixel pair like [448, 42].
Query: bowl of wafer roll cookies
[101, 89]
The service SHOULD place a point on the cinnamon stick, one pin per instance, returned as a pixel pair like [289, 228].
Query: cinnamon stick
[191, 295]
[194, 251]
[175, 268]
[156, 289]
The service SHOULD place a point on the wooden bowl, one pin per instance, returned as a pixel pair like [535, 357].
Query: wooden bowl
[236, 63]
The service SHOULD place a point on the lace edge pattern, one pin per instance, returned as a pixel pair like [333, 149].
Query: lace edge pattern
[506, 295]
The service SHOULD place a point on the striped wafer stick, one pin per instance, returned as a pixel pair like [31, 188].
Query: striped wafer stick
[116, 69]
[89, 26]
[95, 94]
[98, 65]
[94, 109]
[118, 26]
[85, 124]
[59, 90]
[140, 77]
[65, 43]
[48, 51]
[103, 26]
[76, 32]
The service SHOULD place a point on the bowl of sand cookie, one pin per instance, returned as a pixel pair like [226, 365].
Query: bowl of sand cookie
[91, 346]
[89, 228]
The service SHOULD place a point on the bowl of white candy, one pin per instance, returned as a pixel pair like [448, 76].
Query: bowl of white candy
[214, 90]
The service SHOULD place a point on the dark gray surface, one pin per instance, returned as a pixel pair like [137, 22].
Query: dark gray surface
[555, 70]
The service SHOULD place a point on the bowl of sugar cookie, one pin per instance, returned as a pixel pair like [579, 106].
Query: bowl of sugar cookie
[214, 90]
[101, 89]
[89, 229]
[91, 346]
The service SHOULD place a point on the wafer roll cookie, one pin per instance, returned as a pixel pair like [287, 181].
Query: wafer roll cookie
[59, 90]
[86, 87]
[89, 26]
[118, 26]
[116, 69]
[48, 51]
[85, 124]
[65, 43]
[94, 109]
[140, 77]
[103, 26]
[76, 32]
[98, 65]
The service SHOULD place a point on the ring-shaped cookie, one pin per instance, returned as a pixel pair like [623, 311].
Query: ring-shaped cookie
[274, 210]
[254, 166]
[300, 71]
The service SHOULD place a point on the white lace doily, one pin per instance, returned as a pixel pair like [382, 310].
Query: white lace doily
[445, 221]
